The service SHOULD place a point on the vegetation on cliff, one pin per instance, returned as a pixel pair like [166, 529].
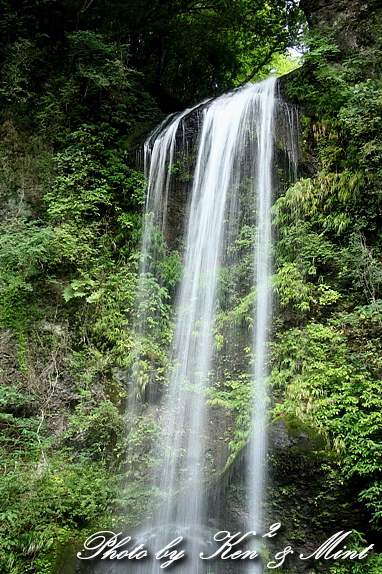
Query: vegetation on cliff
[79, 81]
[327, 351]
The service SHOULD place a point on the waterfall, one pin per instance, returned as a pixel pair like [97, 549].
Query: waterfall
[255, 468]
[159, 152]
[235, 145]
[227, 221]
[216, 186]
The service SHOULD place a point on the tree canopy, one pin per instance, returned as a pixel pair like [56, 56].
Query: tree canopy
[186, 50]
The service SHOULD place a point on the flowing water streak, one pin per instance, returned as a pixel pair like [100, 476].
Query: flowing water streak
[272, 110]
[262, 306]
[221, 143]
[159, 153]
[227, 125]
[288, 117]
[235, 145]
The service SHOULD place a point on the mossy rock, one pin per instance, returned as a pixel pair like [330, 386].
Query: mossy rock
[66, 558]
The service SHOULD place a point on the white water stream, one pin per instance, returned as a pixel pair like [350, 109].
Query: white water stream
[235, 144]
[232, 188]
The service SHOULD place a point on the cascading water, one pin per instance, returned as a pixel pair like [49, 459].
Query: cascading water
[159, 153]
[217, 179]
[255, 469]
[235, 144]
[229, 206]
[268, 104]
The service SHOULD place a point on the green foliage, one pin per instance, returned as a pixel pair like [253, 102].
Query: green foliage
[226, 41]
[96, 429]
[90, 173]
[170, 269]
[327, 354]
[24, 248]
[234, 395]
[137, 460]
[291, 288]
[44, 494]
[299, 295]
[369, 565]
[41, 507]
[281, 64]
[24, 252]
[17, 423]
[68, 61]
[330, 375]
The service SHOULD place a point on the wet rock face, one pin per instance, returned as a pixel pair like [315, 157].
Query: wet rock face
[304, 495]
[350, 20]
[301, 494]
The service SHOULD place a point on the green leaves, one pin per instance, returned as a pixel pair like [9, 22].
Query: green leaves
[328, 363]
[24, 248]
[331, 379]
[234, 395]
[226, 41]
[291, 288]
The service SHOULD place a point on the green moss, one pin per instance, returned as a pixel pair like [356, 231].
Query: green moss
[65, 557]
